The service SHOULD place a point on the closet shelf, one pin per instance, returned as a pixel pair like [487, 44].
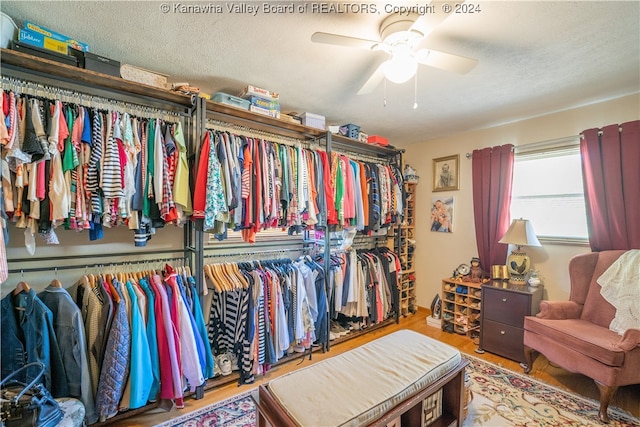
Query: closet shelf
[21, 61]
[241, 117]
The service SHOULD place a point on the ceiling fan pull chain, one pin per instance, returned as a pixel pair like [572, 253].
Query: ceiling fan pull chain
[384, 102]
[415, 92]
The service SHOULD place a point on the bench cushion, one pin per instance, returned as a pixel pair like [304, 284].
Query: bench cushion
[359, 386]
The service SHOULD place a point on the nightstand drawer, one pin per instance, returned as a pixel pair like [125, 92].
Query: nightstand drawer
[505, 307]
[503, 339]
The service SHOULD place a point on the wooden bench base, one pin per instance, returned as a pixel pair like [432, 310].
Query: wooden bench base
[410, 411]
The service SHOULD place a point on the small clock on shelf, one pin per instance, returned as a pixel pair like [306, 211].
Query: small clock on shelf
[461, 271]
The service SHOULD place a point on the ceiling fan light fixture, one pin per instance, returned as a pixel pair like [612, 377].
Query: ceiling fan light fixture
[400, 68]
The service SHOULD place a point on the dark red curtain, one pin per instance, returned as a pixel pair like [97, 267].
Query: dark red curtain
[611, 175]
[492, 183]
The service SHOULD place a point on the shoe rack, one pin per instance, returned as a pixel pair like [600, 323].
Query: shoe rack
[407, 252]
[461, 308]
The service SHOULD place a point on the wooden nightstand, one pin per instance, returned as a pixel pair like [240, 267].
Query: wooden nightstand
[504, 307]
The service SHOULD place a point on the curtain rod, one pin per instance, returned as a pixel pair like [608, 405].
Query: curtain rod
[24, 87]
[566, 140]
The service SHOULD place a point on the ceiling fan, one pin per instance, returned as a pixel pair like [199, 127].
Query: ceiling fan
[400, 35]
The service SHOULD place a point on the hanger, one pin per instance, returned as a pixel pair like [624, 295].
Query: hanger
[20, 287]
[214, 281]
[55, 283]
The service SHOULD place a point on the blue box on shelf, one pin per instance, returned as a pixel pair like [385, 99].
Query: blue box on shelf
[350, 130]
[234, 101]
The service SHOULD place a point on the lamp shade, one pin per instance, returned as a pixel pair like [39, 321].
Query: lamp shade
[520, 233]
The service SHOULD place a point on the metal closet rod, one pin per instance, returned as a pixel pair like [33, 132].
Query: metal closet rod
[65, 257]
[251, 254]
[249, 132]
[40, 90]
[96, 265]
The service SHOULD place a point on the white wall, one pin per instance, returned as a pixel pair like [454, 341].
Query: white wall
[117, 241]
[439, 253]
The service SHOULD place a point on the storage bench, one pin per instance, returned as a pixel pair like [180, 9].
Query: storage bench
[373, 385]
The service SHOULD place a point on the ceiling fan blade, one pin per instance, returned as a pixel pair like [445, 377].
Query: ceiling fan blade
[336, 39]
[446, 61]
[427, 22]
[373, 81]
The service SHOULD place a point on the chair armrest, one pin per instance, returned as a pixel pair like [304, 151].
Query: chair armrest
[630, 340]
[559, 310]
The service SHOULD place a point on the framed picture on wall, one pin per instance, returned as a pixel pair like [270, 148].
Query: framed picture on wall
[442, 214]
[446, 173]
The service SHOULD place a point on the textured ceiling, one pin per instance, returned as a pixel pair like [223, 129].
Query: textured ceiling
[534, 58]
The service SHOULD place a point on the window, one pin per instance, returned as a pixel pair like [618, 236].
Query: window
[547, 190]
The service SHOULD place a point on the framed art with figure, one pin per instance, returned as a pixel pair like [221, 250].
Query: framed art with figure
[442, 214]
[446, 173]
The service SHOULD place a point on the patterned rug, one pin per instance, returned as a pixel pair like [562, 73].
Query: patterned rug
[505, 398]
[500, 398]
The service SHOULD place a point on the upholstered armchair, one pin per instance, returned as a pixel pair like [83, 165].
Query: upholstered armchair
[575, 334]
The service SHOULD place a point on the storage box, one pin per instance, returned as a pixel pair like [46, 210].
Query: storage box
[9, 31]
[363, 137]
[350, 130]
[140, 75]
[313, 120]
[252, 90]
[43, 42]
[434, 322]
[28, 25]
[377, 139]
[44, 53]
[265, 111]
[268, 107]
[234, 101]
[97, 63]
[432, 407]
[290, 118]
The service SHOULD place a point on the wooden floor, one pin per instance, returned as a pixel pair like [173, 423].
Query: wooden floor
[627, 398]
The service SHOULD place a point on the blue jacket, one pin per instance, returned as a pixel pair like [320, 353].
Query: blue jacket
[28, 336]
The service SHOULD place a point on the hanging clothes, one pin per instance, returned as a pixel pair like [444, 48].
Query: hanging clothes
[89, 169]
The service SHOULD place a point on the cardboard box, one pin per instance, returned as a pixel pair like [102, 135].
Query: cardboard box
[140, 75]
[43, 53]
[28, 25]
[43, 42]
[268, 107]
[252, 90]
[265, 111]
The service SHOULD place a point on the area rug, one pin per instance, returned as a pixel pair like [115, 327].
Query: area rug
[500, 398]
[505, 398]
[236, 411]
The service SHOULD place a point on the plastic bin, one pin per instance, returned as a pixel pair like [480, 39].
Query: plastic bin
[350, 130]
[313, 120]
[234, 101]
[379, 140]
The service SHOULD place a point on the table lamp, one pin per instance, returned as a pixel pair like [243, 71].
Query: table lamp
[520, 233]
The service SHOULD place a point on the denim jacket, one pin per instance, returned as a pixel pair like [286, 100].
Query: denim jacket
[28, 336]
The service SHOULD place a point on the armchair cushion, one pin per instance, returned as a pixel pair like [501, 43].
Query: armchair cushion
[581, 336]
[559, 310]
[630, 340]
[597, 309]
